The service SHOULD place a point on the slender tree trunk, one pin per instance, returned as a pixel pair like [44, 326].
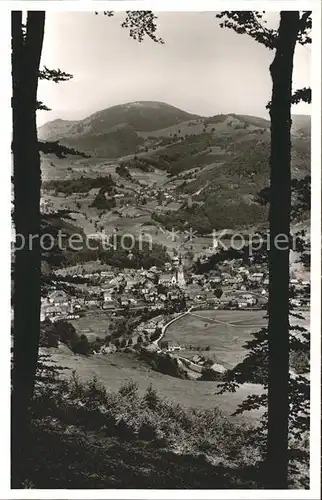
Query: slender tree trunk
[279, 218]
[26, 53]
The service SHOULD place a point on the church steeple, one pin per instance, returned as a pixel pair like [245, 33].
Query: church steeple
[180, 273]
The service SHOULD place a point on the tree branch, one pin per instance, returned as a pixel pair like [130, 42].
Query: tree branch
[304, 95]
[42, 107]
[54, 75]
[249, 23]
[141, 23]
[300, 95]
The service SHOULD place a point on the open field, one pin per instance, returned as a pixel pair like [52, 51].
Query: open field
[115, 369]
[72, 168]
[156, 176]
[225, 337]
[93, 325]
[226, 340]
[224, 331]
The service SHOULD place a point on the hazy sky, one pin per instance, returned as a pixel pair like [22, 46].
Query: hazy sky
[201, 68]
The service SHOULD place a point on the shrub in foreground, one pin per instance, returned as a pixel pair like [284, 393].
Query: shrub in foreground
[148, 417]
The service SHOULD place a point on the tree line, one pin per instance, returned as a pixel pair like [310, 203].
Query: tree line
[27, 42]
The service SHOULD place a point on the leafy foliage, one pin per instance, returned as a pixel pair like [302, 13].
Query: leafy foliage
[299, 95]
[141, 23]
[130, 416]
[85, 437]
[253, 24]
[54, 75]
[302, 95]
[42, 107]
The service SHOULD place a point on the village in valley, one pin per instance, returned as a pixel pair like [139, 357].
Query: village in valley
[130, 309]
[135, 278]
[110, 290]
[132, 266]
[161, 249]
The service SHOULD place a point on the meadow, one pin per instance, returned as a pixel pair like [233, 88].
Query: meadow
[114, 370]
[93, 325]
[226, 341]
[224, 331]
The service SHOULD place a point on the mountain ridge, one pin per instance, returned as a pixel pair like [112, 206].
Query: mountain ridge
[220, 162]
[102, 121]
[139, 115]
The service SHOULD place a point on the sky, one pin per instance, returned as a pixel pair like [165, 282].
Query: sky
[201, 68]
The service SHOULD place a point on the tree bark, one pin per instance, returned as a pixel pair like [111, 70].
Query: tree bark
[26, 53]
[278, 256]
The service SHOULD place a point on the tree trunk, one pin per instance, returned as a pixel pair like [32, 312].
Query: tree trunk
[26, 53]
[278, 256]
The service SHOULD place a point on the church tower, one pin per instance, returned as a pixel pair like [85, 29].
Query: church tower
[180, 280]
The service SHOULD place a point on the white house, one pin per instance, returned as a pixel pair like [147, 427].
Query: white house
[167, 279]
[59, 298]
[107, 296]
[257, 277]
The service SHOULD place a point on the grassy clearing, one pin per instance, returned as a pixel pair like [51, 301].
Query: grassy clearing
[92, 325]
[198, 330]
[226, 342]
[116, 369]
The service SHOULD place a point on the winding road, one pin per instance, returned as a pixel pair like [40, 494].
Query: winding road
[164, 328]
[187, 362]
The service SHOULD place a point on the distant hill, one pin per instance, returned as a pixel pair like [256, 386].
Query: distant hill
[55, 129]
[220, 162]
[124, 129]
[113, 132]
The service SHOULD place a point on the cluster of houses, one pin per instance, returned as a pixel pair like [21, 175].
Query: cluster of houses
[46, 206]
[59, 305]
[241, 288]
[147, 288]
[113, 290]
[239, 277]
[150, 326]
[236, 284]
[164, 199]
[153, 288]
[242, 278]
